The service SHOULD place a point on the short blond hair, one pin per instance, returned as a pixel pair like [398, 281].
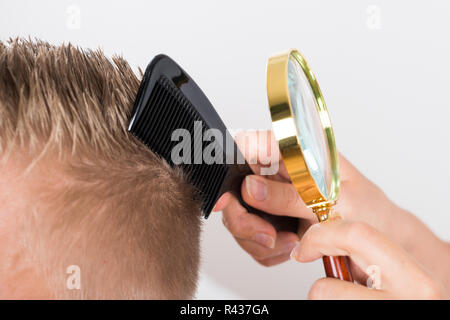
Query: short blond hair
[129, 220]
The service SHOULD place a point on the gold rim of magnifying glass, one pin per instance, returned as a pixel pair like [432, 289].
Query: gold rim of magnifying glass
[285, 131]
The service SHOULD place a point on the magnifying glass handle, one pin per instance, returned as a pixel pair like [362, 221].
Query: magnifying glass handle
[337, 267]
[233, 182]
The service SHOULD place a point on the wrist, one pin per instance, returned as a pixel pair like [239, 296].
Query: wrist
[421, 243]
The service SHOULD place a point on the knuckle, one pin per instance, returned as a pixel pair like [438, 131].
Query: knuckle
[254, 251]
[258, 255]
[317, 290]
[232, 224]
[229, 220]
[357, 231]
[238, 226]
[264, 262]
[290, 199]
[310, 234]
[225, 222]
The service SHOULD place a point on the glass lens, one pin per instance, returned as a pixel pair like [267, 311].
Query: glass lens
[310, 131]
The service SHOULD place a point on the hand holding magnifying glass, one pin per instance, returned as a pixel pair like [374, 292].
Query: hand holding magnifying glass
[303, 132]
[361, 200]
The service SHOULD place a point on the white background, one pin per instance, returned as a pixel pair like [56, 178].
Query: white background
[383, 66]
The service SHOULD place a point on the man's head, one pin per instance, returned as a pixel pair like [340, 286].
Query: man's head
[78, 191]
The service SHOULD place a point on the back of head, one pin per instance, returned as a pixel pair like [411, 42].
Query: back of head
[78, 192]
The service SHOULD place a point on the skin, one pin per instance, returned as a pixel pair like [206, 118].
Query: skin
[374, 231]
[18, 276]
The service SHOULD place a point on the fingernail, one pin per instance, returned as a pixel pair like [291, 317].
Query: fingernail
[295, 253]
[256, 188]
[264, 240]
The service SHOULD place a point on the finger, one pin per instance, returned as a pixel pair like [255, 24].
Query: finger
[284, 244]
[335, 289]
[244, 225]
[279, 198]
[261, 151]
[358, 275]
[272, 261]
[346, 169]
[258, 145]
[223, 201]
[363, 244]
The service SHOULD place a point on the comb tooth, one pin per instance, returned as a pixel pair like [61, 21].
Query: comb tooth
[158, 115]
[179, 120]
[169, 112]
[168, 109]
[157, 133]
[142, 123]
[214, 186]
[167, 149]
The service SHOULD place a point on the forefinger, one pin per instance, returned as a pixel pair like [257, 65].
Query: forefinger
[363, 244]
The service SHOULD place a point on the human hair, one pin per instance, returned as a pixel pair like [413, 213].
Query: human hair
[96, 197]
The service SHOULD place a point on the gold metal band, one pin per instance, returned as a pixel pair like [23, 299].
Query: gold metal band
[285, 132]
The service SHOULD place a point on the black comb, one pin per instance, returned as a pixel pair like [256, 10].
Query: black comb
[167, 100]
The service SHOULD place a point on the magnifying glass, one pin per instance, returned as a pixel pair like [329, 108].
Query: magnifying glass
[302, 127]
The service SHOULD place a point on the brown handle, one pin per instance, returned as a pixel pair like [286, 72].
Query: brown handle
[337, 267]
